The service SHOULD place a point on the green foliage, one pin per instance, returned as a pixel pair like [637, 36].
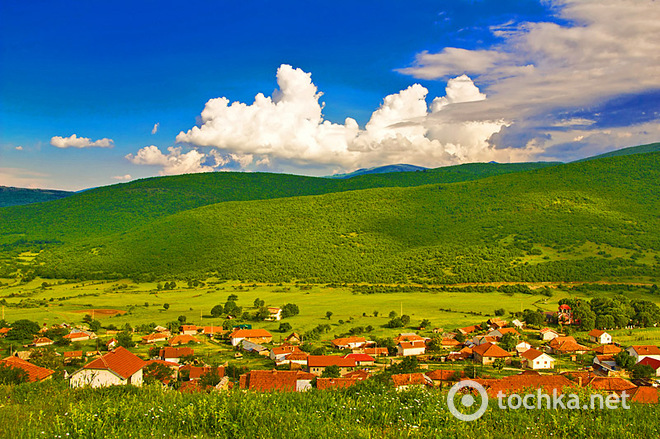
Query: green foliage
[23, 330]
[508, 341]
[500, 312]
[285, 327]
[217, 311]
[407, 365]
[499, 364]
[290, 310]
[642, 371]
[210, 378]
[157, 372]
[624, 360]
[125, 340]
[331, 372]
[13, 375]
[328, 314]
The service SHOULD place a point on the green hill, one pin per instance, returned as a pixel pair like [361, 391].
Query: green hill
[592, 220]
[120, 207]
[13, 196]
[641, 149]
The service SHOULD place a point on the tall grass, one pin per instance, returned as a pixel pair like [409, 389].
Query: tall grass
[365, 411]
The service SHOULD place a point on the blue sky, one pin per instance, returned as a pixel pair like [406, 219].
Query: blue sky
[504, 81]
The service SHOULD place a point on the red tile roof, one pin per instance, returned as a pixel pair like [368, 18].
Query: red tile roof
[648, 361]
[612, 384]
[647, 350]
[3, 331]
[297, 356]
[35, 372]
[360, 357]
[508, 331]
[155, 337]
[359, 374]
[348, 340]
[469, 329]
[443, 375]
[408, 337]
[42, 340]
[214, 330]
[525, 381]
[175, 352]
[412, 344]
[73, 354]
[189, 327]
[285, 349]
[411, 379]
[607, 349]
[490, 350]
[196, 372]
[335, 383]
[376, 351]
[645, 395]
[329, 360]
[596, 333]
[75, 335]
[450, 342]
[273, 380]
[182, 339]
[120, 361]
[250, 333]
[531, 354]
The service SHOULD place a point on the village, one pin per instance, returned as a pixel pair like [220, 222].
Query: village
[503, 356]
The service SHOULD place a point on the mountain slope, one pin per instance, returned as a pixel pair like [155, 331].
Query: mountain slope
[120, 207]
[641, 149]
[380, 170]
[557, 223]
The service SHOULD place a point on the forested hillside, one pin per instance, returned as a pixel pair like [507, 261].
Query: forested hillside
[592, 220]
[13, 196]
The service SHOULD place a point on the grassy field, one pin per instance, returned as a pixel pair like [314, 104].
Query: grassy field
[69, 302]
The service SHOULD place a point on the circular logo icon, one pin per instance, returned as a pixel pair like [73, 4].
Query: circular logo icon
[467, 400]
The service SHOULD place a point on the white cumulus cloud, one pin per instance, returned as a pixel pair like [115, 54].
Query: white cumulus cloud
[74, 141]
[154, 130]
[122, 177]
[174, 162]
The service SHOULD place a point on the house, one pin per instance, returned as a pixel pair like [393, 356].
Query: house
[249, 346]
[174, 355]
[253, 335]
[406, 381]
[522, 382]
[463, 354]
[154, 338]
[613, 385]
[274, 314]
[42, 341]
[449, 343]
[499, 333]
[535, 359]
[605, 364]
[35, 373]
[408, 336]
[440, 377]
[606, 349]
[277, 380]
[349, 342]
[4, 331]
[178, 340]
[361, 359]
[598, 336]
[496, 322]
[522, 347]
[335, 383]
[641, 352]
[360, 374]
[78, 335]
[213, 330]
[487, 353]
[317, 364]
[411, 348]
[517, 323]
[469, 329]
[566, 345]
[297, 360]
[70, 356]
[162, 330]
[377, 352]
[547, 334]
[293, 338]
[481, 339]
[654, 363]
[112, 343]
[188, 329]
[196, 372]
[279, 353]
[117, 367]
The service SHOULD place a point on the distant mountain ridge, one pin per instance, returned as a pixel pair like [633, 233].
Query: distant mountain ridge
[380, 170]
[13, 196]
[641, 149]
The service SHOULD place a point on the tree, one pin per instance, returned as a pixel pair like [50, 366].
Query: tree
[232, 298]
[533, 318]
[210, 378]
[500, 312]
[405, 319]
[154, 372]
[154, 351]
[258, 303]
[45, 357]
[499, 364]
[375, 313]
[624, 360]
[290, 310]
[508, 341]
[94, 325]
[285, 327]
[392, 314]
[217, 311]
[460, 336]
[642, 371]
[125, 340]
[331, 372]
[407, 365]
[182, 319]
[13, 375]
[166, 305]
[23, 330]
[328, 314]
[425, 323]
